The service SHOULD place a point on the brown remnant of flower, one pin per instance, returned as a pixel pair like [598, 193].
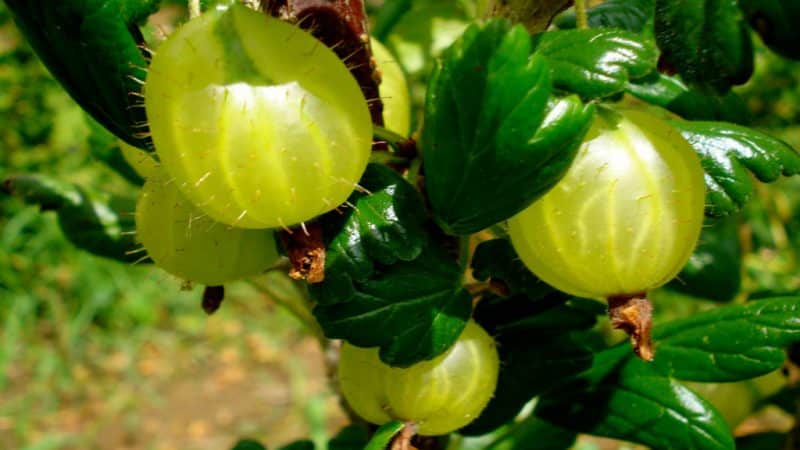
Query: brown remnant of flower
[634, 315]
[305, 248]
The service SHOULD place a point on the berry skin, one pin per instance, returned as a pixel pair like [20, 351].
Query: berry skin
[393, 90]
[626, 216]
[258, 123]
[440, 395]
[185, 242]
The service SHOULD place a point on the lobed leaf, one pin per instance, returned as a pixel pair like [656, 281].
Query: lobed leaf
[706, 41]
[100, 226]
[776, 23]
[596, 62]
[496, 260]
[494, 140]
[727, 152]
[631, 15]
[92, 48]
[714, 269]
[733, 343]
[688, 102]
[387, 283]
[624, 398]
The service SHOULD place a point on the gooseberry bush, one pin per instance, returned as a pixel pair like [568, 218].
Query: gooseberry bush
[471, 196]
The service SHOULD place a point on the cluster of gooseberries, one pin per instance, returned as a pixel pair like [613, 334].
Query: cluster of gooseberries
[259, 126]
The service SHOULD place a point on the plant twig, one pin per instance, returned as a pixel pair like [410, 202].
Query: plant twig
[536, 15]
[581, 18]
[194, 8]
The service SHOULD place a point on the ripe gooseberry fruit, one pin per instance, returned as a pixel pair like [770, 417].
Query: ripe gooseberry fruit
[439, 396]
[626, 216]
[393, 90]
[260, 124]
[185, 242]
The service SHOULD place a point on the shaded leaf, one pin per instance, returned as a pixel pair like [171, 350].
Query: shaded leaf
[104, 146]
[714, 269]
[776, 22]
[91, 47]
[762, 441]
[248, 444]
[624, 398]
[493, 140]
[535, 433]
[497, 260]
[537, 352]
[299, 445]
[631, 15]
[384, 435]
[352, 437]
[732, 343]
[103, 226]
[727, 152]
[596, 62]
[387, 283]
[690, 103]
[706, 41]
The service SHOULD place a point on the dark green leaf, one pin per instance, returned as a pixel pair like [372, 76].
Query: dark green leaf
[534, 433]
[690, 103]
[497, 260]
[91, 47]
[493, 141]
[387, 284]
[596, 62]
[714, 269]
[537, 351]
[353, 437]
[631, 15]
[101, 226]
[390, 14]
[384, 435]
[705, 41]
[384, 226]
[412, 310]
[727, 152]
[624, 398]
[732, 343]
[105, 147]
[530, 364]
[776, 22]
[762, 441]
[248, 444]
[299, 445]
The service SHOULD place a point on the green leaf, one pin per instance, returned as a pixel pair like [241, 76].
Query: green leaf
[299, 445]
[497, 260]
[352, 437]
[727, 152]
[690, 103]
[731, 343]
[493, 141]
[91, 47]
[596, 63]
[384, 435]
[103, 226]
[776, 22]
[534, 433]
[383, 227]
[714, 269]
[631, 15]
[762, 441]
[248, 444]
[624, 398]
[705, 41]
[387, 283]
[537, 352]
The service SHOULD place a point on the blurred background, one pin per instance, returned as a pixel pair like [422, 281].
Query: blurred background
[96, 354]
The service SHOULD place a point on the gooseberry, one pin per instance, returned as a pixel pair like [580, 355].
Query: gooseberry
[439, 396]
[259, 124]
